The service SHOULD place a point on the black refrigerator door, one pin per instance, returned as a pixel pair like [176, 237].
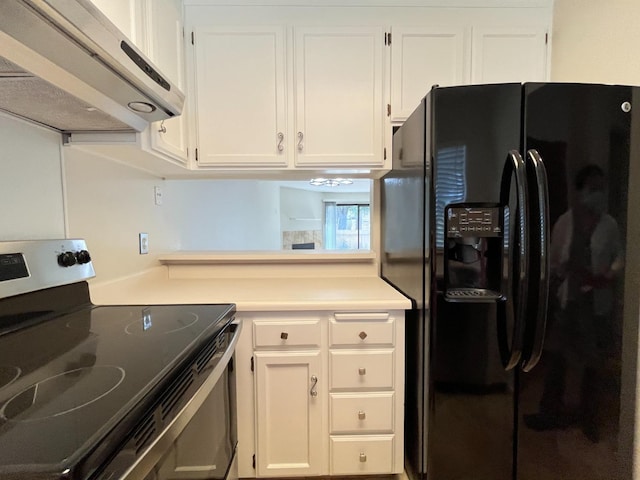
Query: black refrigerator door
[575, 407]
[471, 395]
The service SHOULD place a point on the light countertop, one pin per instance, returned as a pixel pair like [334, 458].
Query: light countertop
[158, 286]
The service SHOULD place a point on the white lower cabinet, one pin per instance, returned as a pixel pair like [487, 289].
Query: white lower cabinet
[289, 413]
[328, 394]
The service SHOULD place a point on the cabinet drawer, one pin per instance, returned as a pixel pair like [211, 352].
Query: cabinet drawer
[372, 369]
[367, 413]
[354, 455]
[347, 332]
[287, 334]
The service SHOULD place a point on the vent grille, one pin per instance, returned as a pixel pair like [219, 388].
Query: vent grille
[209, 351]
[175, 393]
[144, 433]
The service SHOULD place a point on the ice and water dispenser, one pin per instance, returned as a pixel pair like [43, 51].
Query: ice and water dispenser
[473, 252]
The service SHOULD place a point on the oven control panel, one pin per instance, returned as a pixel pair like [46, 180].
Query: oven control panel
[26, 266]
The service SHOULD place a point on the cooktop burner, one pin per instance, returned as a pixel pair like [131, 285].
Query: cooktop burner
[162, 323]
[8, 375]
[63, 393]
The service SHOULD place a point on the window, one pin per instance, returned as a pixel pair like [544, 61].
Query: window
[347, 226]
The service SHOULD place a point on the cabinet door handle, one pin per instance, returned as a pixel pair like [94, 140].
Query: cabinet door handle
[362, 371]
[361, 415]
[313, 391]
[280, 140]
[300, 138]
[284, 335]
[363, 457]
[362, 335]
[162, 128]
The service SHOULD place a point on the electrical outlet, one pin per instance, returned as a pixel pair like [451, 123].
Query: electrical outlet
[143, 243]
[157, 194]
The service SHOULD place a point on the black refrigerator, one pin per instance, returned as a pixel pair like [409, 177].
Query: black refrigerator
[511, 218]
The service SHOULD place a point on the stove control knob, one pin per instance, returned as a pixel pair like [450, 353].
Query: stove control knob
[83, 257]
[66, 259]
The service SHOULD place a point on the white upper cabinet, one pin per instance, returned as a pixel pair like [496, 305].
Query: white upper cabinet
[315, 100]
[339, 86]
[166, 50]
[509, 55]
[126, 15]
[422, 57]
[240, 96]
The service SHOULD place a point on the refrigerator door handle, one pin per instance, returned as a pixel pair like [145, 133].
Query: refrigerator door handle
[540, 295]
[510, 312]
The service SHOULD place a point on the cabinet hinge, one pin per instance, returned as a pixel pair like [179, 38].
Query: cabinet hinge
[388, 109]
[253, 463]
[193, 38]
[252, 364]
[384, 153]
[387, 38]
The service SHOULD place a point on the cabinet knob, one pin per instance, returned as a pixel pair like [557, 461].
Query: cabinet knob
[300, 138]
[362, 371]
[361, 415]
[362, 335]
[280, 140]
[284, 335]
[363, 457]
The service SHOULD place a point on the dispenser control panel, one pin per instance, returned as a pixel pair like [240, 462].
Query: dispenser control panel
[474, 222]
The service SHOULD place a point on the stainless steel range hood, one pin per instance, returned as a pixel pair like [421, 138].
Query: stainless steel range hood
[64, 65]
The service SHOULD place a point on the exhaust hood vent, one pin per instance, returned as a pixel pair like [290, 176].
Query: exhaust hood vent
[64, 65]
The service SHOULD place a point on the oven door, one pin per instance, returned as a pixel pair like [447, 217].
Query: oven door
[206, 447]
[200, 443]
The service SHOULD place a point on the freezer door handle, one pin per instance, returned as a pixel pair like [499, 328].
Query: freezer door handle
[538, 289]
[511, 311]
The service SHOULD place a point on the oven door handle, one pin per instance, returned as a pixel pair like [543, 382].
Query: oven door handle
[147, 460]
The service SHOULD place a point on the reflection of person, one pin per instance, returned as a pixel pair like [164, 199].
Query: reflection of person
[586, 257]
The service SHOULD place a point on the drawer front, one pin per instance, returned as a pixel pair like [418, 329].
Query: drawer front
[372, 369]
[286, 334]
[366, 413]
[362, 333]
[353, 455]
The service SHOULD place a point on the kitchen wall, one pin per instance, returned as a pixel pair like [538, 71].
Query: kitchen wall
[225, 214]
[30, 182]
[109, 204]
[596, 41]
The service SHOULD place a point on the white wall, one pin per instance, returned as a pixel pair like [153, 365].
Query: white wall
[31, 197]
[109, 204]
[596, 41]
[225, 214]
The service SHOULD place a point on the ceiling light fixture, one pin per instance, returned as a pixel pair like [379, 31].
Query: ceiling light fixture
[330, 182]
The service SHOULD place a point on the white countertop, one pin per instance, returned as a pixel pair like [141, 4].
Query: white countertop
[155, 286]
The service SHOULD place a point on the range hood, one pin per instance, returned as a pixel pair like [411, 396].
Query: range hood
[64, 65]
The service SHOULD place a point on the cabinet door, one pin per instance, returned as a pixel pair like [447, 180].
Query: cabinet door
[501, 55]
[422, 57]
[166, 51]
[339, 96]
[240, 96]
[127, 16]
[289, 416]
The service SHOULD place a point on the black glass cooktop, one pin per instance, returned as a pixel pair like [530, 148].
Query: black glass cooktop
[65, 383]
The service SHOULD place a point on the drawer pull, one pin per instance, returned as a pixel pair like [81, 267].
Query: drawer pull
[362, 371]
[363, 457]
[362, 415]
[362, 335]
[313, 391]
[284, 335]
